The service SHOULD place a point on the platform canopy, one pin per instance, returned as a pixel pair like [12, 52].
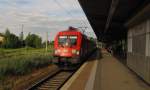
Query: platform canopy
[107, 17]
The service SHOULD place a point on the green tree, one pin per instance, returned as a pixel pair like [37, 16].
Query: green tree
[38, 42]
[33, 40]
[52, 43]
[7, 32]
[28, 40]
[11, 40]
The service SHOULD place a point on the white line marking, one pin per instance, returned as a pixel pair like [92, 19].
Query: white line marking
[73, 78]
[91, 80]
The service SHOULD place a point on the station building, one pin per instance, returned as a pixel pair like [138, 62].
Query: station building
[138, 58]
[1, 38]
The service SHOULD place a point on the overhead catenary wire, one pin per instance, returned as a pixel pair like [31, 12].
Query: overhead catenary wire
[82, 19]
[62, 7]
[67, 11]
[84, 25]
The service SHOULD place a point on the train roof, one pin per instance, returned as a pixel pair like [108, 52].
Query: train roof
[71, 30]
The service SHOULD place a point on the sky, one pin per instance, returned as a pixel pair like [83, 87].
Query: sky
[41, 16]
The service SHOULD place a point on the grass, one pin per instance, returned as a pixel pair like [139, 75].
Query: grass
[9, 53]
[22, 61]
[22, 65]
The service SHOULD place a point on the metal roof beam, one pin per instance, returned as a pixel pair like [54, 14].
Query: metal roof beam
[112, 9]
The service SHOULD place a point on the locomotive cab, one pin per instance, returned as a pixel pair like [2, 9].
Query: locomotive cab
[67, 46]
[71, 46]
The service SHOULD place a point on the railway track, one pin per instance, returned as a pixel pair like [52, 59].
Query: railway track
[53, 82]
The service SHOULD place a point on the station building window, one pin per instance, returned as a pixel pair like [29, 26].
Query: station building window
[130, 41]
[130, 45]
[147, 38]
[148, 53]
[139, 39]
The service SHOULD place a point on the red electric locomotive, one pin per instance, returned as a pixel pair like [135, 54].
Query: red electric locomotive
[71, 46]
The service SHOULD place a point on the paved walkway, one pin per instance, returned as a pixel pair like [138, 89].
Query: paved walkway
[81, 77]
[113, 75]
[105, 73]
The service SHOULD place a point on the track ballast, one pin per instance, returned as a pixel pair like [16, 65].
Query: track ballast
[53, 82]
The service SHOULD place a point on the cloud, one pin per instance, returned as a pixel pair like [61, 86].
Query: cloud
[40, 16]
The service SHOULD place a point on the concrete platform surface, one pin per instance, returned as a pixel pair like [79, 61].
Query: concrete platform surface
[80, 78]
[106, 73]
[113, 75]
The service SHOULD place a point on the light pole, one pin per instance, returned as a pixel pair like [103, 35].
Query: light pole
[46, 41]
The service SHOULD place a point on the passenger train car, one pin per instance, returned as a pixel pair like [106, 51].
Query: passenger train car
[71, 46]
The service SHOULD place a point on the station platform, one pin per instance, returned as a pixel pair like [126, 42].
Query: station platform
[104, 72]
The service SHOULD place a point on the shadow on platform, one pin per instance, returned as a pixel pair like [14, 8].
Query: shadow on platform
[95, 55]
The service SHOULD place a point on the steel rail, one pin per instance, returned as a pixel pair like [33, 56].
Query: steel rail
[52, 82]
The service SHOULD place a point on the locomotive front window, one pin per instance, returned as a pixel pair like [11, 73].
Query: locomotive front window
[67, 40]
[73, 40]
[62, 40]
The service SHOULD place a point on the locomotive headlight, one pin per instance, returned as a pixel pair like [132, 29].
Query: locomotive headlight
[57, 51]
[74, 51]
[77, 52]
